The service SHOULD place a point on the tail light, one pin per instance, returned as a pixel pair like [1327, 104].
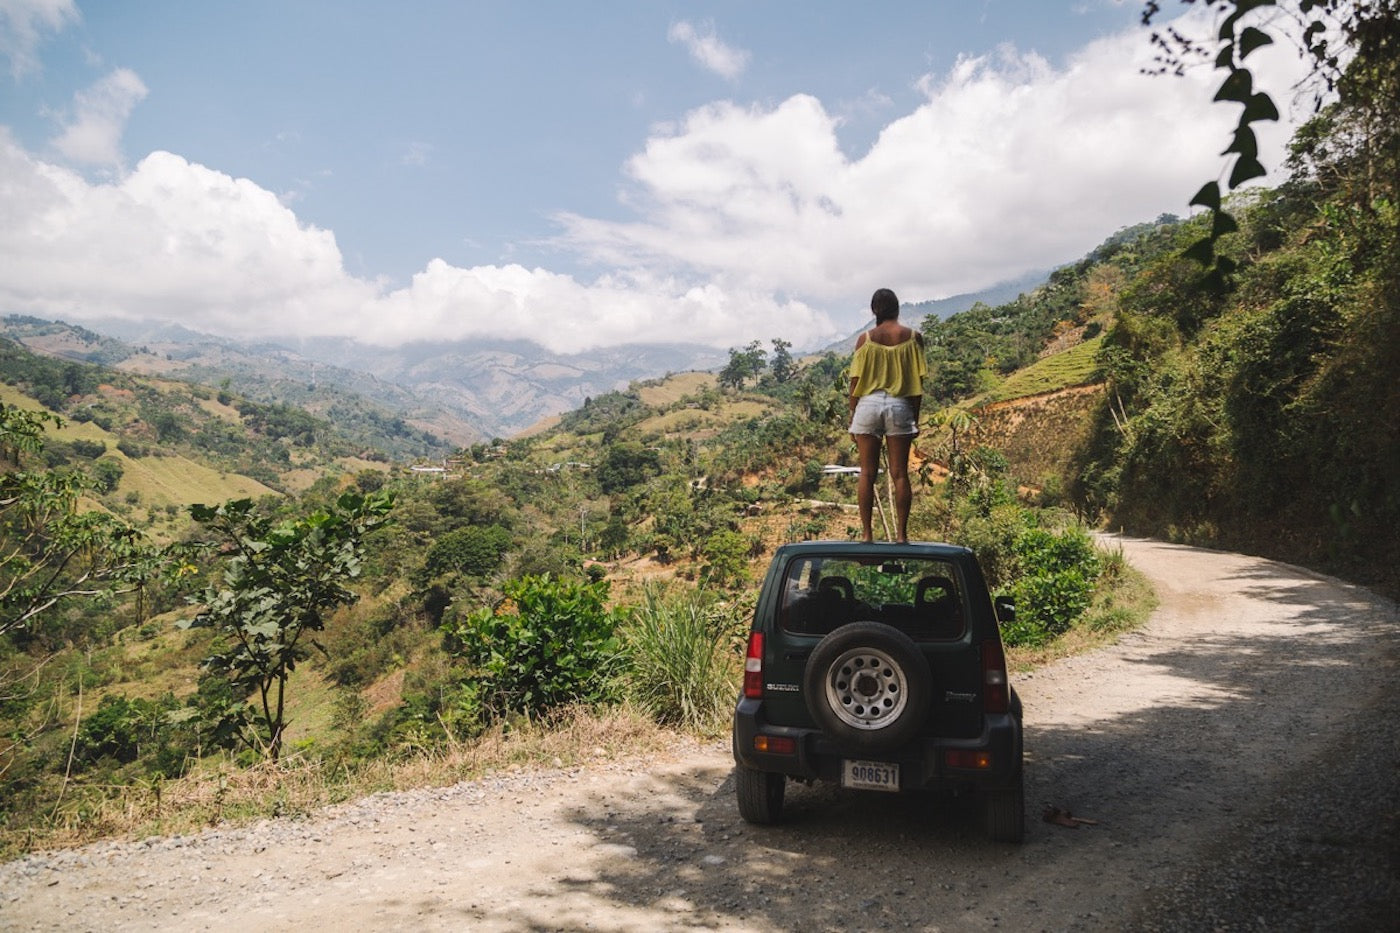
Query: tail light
[996, 694]
[753, 667]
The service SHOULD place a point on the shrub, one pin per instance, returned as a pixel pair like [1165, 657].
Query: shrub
[108, 472]
[1056, 584]
[472, 550]
[726, 559]
[549, 643]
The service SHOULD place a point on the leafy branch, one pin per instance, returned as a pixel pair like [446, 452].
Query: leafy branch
[1235, 41]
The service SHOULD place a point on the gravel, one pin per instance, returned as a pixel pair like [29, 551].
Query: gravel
[1239, 758]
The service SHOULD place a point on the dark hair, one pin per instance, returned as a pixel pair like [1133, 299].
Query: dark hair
[885, 305]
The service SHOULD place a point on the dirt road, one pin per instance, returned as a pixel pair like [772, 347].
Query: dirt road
[1239, 756]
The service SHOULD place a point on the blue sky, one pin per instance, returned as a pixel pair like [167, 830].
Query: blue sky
[578, 174]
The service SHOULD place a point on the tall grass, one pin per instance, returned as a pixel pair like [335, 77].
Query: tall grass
[681, 664]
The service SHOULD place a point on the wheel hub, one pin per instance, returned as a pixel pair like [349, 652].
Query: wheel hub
[867, 689]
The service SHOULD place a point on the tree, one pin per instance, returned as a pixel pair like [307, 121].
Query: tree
[781, 365]
[743, 365]
[627, 464]
[726, 559]
[50, 550]
[107, 472]
[472, 550]
[280, 582]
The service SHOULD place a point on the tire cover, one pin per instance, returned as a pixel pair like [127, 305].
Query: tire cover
[910, 672]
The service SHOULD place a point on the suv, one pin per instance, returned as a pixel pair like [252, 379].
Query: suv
[879, 667]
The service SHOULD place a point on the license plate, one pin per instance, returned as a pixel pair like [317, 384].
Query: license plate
[870, 775]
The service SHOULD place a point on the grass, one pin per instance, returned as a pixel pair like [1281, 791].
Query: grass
[220, 792]
[157, 480]
[1075, 366]
[682, 666]
[180, 481]
[672, 389]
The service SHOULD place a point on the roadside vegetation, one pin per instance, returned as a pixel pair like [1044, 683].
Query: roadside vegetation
[301, 618]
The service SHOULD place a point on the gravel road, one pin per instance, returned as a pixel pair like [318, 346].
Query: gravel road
[1240, 757]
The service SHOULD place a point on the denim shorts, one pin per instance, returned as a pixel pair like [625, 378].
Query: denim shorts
[884, 415]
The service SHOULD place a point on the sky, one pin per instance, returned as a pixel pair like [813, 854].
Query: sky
[581, 175]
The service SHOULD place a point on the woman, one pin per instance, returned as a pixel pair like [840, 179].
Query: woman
[887, 389]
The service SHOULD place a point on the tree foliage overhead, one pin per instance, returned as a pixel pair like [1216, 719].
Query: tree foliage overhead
[1260, 415]
[1354, 49]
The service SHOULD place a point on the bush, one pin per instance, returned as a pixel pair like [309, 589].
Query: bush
[108, 473]
[549, 643]
[1055, 586]
[472, 550]
[678, 662]
[726, 559]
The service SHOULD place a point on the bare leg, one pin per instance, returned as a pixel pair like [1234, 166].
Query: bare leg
[868, 446]
[899, 476]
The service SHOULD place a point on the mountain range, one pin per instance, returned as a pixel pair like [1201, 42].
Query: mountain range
[463, 391]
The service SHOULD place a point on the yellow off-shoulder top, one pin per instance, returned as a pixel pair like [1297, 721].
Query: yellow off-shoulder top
[898, 370]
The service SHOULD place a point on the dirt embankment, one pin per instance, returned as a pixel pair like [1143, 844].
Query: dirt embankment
[1240, 757]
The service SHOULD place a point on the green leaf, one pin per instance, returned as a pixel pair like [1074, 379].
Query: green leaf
[1208, 197]
[1238, 86]
[1244, 170]
[1244, 143]
[1260, 107]
[1203, 251]
[1252, 39]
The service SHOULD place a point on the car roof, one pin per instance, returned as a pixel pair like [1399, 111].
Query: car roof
[926, 549]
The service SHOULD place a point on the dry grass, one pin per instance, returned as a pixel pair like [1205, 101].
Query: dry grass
[222, 793]
[674, 388]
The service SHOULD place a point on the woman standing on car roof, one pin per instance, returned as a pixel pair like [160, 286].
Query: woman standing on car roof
[887, 390]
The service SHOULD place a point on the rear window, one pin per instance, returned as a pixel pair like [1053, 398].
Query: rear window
[920, 597]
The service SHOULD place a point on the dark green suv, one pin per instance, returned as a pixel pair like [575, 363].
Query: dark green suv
[878, 667]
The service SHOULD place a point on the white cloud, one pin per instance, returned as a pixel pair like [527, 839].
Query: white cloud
[171, 241]
[92, 135]
[1010, 164]
[709, 50]
[749, 221]
[22, 24]
[179, 242]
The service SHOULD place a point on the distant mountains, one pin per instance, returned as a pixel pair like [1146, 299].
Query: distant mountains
[463, 392]
[911, 313]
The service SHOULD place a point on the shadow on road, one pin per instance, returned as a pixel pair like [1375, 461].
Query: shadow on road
[1197, 737]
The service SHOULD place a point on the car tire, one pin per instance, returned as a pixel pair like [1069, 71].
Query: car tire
[1006, 810]
[868, 687]
[760, 794]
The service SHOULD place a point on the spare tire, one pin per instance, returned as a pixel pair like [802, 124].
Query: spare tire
[868, 687]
